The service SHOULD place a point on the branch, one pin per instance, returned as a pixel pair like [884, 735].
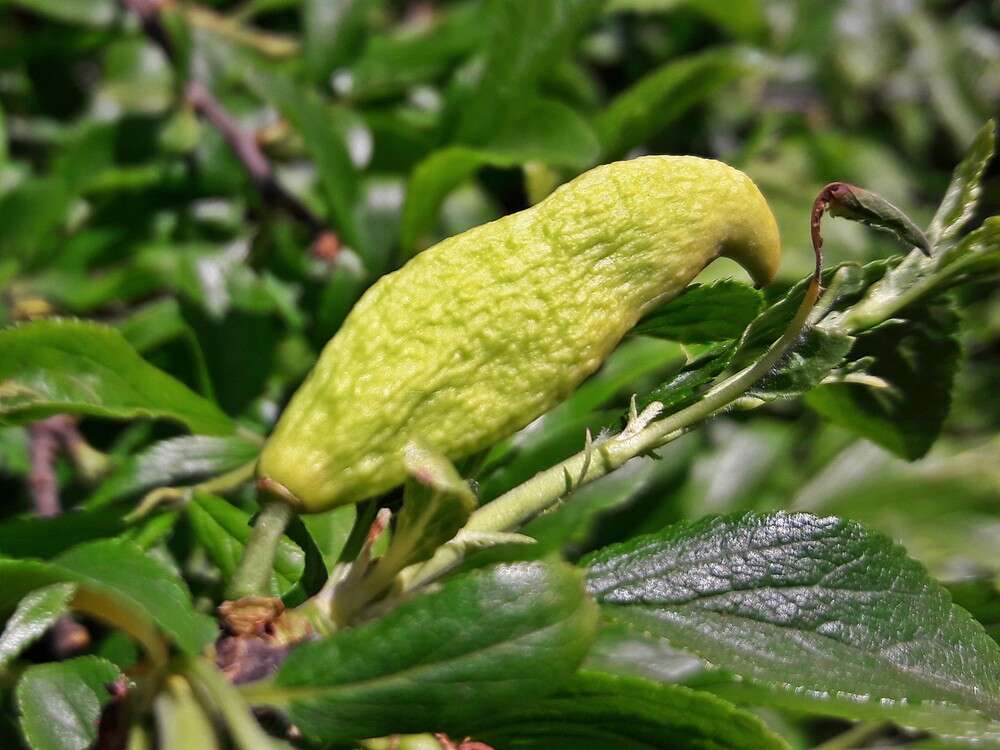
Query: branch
[47, 437]
[244, 145]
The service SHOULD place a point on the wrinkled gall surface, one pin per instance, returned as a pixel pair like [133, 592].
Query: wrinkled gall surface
[485, 331]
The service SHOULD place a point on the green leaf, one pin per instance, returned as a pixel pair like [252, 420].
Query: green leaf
[333, 31]
[962, 197]
[917, 359]
[704, 314]
[816, 613]
[35, 614]
[662, 97]
[597, 711]
[223, 529]
[181, 460]
[330, 530]
[30, 214]
[523, 43]
[546, 131]
[117, 581]
[69, 366]
[392, 63]
[436, 504]
[540, 130]
[60, 703]
[486, 639]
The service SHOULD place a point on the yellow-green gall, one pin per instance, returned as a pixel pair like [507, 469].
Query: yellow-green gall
[487, 330]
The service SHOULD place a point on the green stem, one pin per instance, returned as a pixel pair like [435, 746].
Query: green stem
[253, 576]
[231, 705]
[539, 493]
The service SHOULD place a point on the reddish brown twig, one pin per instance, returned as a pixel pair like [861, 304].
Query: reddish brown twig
[48, 437]
[325, 242]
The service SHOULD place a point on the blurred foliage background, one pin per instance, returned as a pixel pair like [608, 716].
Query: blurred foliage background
[373, 128]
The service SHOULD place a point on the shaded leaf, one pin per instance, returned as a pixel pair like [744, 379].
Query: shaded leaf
[596, 711]
[917, 358]
[67, 366]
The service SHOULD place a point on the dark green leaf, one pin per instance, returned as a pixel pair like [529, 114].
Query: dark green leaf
[35, 614]
[181, 460]
[808, 610]
[34, 536]
[597, 711]
[704, 314]
[223, 529]
[917, 359]
[68, 366]
[741, 18]
[60, 703]
[962, 197]
[117, 575]
[486, 639]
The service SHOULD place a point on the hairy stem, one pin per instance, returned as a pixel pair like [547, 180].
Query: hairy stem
[253, 575]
